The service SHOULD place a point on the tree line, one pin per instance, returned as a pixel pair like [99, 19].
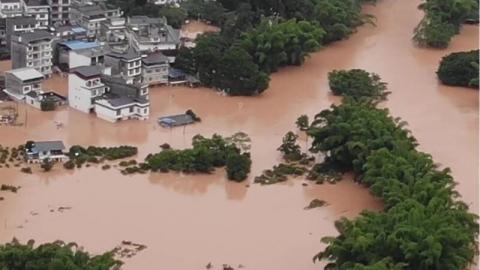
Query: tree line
[424, 225]
[442, 20]
[259, 37]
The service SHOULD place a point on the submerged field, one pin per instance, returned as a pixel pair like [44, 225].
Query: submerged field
[188, 221]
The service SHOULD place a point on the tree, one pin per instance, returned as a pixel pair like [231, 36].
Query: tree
[289, 148]
[239, 75]
[302, 122]
[46, 165]
[357, 84]
[238, 166]
[47, 105]
[55, 256]
[459, 69]
[175, 15]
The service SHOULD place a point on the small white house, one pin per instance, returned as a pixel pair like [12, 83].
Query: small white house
[122, 108]
[41, 150]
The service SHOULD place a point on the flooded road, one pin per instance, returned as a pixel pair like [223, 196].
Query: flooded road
[189, 221]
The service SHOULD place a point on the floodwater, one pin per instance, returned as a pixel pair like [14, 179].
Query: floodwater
[194, 28]
[188, 221]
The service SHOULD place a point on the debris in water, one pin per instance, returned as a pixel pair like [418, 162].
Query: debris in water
[128, 249]
[209, 265]
[227, 267]
[63, 208]
[315, 203]
[10, 188]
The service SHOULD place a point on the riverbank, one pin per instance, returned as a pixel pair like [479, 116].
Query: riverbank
[208, 219]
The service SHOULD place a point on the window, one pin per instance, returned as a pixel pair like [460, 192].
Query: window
[118, 112]
[131, 109]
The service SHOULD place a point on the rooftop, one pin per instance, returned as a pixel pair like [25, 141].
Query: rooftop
[88, 71]
[26, 73]
[155, 58]
[23, 20]
[35, 3]
[127, 54]
[48, 146]
[36, 35]
[9, 1]
[80, 45]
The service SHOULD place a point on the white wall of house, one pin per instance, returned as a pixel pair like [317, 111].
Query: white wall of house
[80, 94]
[34, 102]
[111, 114]
[8, 10]
[156, 74]
[77, 60]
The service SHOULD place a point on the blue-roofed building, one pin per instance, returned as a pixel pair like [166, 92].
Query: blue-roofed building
[76, 53]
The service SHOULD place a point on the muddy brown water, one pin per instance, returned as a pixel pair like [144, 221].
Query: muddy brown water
[188, 221]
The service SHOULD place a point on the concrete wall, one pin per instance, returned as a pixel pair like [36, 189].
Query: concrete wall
[77, 60]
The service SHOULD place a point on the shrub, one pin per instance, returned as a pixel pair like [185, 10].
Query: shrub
[46, 165]
[47, 105]
[25, 170]
[238, 166]
[460, 69]
[357, 84]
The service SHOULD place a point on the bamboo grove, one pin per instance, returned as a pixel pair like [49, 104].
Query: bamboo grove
[424, 224]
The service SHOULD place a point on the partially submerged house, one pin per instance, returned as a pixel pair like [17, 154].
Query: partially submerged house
[22, 81]
[41, 150]
[111, 98]
[123, 101]
[84, 87]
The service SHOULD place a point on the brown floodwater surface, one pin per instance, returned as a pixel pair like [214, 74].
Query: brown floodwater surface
[188, 221]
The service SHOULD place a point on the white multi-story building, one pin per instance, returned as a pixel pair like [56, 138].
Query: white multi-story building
[89, 90]
[84, 86]
[10, 8]
[37, 9]
[33, 49]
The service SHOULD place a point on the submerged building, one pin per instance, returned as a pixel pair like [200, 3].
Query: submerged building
[90, 90]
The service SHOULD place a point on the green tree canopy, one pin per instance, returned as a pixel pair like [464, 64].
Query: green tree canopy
[460, 69]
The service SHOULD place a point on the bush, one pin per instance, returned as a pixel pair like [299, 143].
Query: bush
[460, 69]
[357, 84]
[47, 105]
[27, 170]
[238, 166]
[105, 167]
[56, 255]
[46, 165]
[69, 165]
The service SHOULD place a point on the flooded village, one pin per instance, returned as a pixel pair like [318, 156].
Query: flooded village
[202, 221]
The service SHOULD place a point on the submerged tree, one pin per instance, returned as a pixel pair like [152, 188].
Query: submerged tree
[357, 84]
[460, 69]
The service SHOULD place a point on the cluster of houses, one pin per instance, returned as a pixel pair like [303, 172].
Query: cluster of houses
[110, 60]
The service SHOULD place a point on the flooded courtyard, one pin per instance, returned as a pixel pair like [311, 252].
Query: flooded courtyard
[188, 221]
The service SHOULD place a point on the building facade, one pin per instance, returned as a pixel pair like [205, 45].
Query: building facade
[10, 8]
[20, 82]
[33, 49]
[126, 64]
[84, 86]
[59, 11]
[38, 9]
[155, 69]
[77, 53]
